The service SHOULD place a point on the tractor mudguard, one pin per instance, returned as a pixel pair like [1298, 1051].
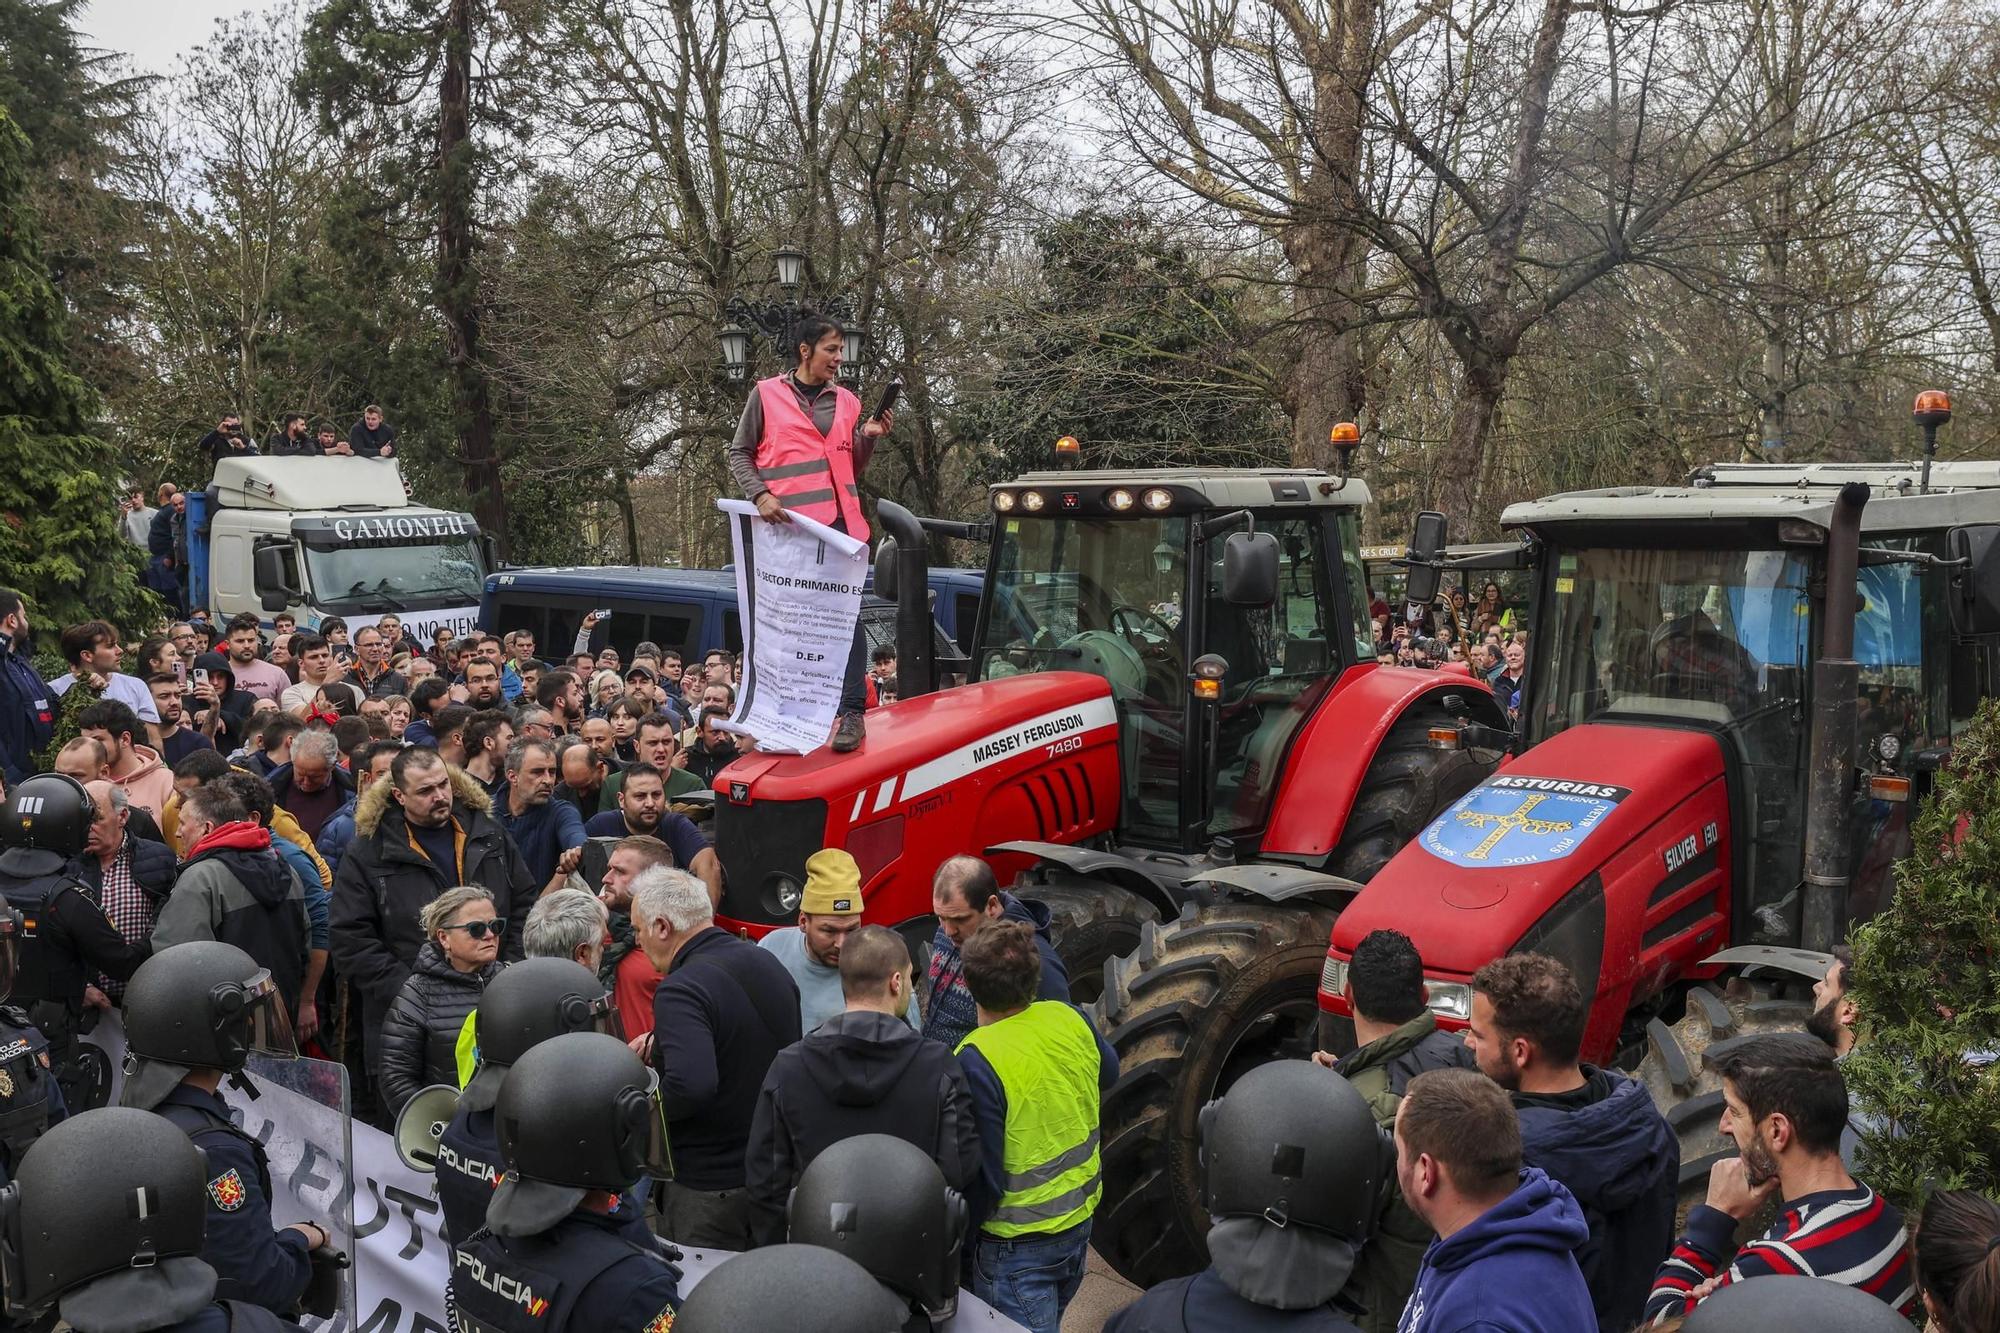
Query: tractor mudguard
[1162, 886]
[1753, 958]
[1330, 759]
[1276, 882]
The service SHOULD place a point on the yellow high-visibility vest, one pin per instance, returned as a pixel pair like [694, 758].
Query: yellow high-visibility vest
[1047, 1062]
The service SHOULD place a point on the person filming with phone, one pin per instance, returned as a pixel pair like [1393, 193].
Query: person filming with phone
[801, 447]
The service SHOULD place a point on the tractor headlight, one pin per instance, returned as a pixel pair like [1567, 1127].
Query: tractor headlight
[1449, 999]
[1032, 501]
[1003, 501]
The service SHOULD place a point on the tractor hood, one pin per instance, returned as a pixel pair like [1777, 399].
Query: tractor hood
[1496, 864]
[957, 771]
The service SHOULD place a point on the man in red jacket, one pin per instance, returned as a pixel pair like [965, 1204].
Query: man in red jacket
[801, 446]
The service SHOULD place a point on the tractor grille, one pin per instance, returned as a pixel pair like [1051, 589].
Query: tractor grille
[763, 847]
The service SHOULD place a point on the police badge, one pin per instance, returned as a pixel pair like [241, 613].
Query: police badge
[227, 1191]
[6, 1085]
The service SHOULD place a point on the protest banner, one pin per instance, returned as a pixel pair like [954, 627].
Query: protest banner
[799, 585]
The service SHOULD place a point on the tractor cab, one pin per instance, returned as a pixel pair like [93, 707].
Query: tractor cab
[1734, 689]
[1218, 607]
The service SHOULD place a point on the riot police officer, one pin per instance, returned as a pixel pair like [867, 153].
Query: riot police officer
[1293, 1170]
[193, 1014]
[580, 1121]
[528, 1003]
[1794, 1305]
[883, 1202]
[104, 1220]
[65, 938]
[790, 1286]
[30, 1098]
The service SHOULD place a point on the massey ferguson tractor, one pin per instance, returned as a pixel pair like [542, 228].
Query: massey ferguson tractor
[1736, 690]
[1173, 731]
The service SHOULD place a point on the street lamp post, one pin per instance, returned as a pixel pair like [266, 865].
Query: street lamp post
[775, 321]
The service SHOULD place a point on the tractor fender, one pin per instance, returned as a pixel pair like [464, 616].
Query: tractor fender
[1275, 882]
[1755, 958]
[1163, 887]
[1330, 759]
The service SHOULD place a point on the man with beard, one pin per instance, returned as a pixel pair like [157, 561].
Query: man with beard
[1595, 1131]
[625, 967]
[1785, 1104]
[642, 811]
[1833, 1018]
[549, 833]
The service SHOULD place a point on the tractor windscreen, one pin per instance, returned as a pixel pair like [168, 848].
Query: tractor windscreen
[1724, 636]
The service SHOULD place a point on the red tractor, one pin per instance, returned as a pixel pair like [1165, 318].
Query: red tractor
[1175, 733]
[1735, 690]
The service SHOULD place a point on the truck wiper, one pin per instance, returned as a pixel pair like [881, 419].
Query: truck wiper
[379, 593]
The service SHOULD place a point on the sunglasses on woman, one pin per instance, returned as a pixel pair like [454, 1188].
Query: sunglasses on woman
[478, 929]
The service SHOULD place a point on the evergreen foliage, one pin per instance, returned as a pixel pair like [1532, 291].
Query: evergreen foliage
[1927, 982]
[59, 538]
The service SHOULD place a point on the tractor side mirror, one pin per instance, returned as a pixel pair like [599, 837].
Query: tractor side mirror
[1250, 569]
[1975, 609]
[1426, 550]
[274, 589]
[885, 569]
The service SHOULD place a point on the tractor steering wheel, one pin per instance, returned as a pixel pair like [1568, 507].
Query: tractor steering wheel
[1127, 619]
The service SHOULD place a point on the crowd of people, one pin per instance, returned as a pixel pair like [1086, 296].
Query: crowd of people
[1487, 639]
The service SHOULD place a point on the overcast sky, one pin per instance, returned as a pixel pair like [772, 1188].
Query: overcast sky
[154, 32]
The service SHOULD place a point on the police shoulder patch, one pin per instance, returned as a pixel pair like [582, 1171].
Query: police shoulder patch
[227, 1191]
[663, 1322]
[15, 1049]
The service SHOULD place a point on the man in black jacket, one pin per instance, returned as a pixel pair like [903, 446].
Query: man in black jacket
[723, 1011]
[372, 437]
[863, 1071]
[427, 829]
[291, 440]
[227, 440]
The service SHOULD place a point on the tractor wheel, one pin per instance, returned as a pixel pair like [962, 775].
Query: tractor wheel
[1407, 785]
[1204, 998]
[1681, 1062]
[1093, 921]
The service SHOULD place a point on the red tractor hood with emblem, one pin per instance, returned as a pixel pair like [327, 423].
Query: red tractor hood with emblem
[1499, 860]
[1031, 756]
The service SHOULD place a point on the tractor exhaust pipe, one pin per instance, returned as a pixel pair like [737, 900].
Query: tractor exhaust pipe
[1830, 769]
[903, 573]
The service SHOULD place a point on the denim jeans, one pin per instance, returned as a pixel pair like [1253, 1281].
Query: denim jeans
[1031, 1279]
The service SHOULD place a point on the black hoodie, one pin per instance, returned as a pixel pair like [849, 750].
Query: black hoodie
[859, 1072]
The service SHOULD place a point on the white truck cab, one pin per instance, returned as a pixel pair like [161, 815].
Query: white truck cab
[320, 537]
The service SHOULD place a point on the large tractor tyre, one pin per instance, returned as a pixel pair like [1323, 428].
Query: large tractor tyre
[1681, 1064]
[1203, 999]
[1407, 785]
[1093, 922]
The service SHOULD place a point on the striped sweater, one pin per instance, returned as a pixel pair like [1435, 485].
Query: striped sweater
[1850, 1236]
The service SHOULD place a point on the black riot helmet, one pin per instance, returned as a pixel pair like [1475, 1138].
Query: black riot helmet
[1293, 1168]
[199, 1005]
[527, 1004]
[883, 1203]
[49, 812]
[1793, 1305]
[578, 1113]
[790, 1286]
[105, 1213]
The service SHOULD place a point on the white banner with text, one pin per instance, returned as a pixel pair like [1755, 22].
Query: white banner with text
[799, 586]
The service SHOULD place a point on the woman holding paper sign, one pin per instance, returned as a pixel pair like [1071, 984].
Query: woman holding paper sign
[802, 445]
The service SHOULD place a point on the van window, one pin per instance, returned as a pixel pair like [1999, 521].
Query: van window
[966, 617]
[732, 631]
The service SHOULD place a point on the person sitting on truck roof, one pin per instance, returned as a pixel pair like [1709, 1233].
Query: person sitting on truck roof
[227, 440]
[291, 439]
[372, 437]
[330, 443]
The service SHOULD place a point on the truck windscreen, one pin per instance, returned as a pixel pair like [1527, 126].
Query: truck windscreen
[386, 577]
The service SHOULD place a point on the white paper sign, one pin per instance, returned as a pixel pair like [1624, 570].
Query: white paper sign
[799, 585]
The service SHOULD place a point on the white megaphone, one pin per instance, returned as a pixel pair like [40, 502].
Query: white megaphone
[421, 1124]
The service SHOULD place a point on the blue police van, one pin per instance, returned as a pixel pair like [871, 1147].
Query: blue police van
[688, 611]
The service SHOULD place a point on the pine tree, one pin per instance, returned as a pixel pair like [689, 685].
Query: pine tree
[1927, 982]
[59, 538]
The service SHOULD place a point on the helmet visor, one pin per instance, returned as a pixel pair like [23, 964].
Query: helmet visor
[648, 1126]
[262, 1024]
[604, 1016]
[10, 931]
